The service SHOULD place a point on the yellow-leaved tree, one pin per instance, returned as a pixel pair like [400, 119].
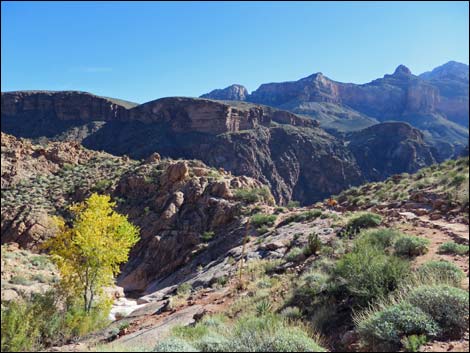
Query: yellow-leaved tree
[89, 252]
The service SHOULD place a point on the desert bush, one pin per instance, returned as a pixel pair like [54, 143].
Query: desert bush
[294, 254]
[260, 219]
[264, 307]
[19, 331]
[384, 330]
[184, 289]
[447, 305]
[370, 274]
[443, 271]
[43, 321]
[313, 244]
[291, 313]
[293, 204]
[409, 245]
[207, 236]
[453, 248]
[254, 195]
[211, 342]
[414, 342]
[21, 280]
[269, 334]
[174, 344]
[303, 216]
[381, 238]
[361, 221]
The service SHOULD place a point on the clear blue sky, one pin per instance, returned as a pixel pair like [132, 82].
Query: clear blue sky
[141, 51]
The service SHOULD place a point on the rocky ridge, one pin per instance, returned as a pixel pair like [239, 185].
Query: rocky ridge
[292, 155]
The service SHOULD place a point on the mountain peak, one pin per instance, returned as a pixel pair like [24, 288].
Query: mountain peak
[402, 70]
[232, 92]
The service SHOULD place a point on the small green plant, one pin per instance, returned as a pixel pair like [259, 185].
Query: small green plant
[250, 196]
[453, 248]
[294, 254]
[443, 271]
[409, 245]
[207, 236]
[293, 204]
[260, 219]
[370, 274]
[414, 342]
[447, 305]
[313, 244]
[174, 344]
[361, 221]
[384, 330]
[184, 289]
[264, 307]
[291, 313]
[20, 280]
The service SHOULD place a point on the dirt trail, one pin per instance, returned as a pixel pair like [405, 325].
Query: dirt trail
[439, 232]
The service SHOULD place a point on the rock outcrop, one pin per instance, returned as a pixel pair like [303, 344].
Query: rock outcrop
[172, 202]
[389, 148]
[230, 93]
[290, 154]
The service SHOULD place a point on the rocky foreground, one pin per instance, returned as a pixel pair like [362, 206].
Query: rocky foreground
[215, 243]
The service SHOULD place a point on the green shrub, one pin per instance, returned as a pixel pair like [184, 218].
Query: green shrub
[370, 274]
[264, 307]
[293, 204]
[384, 330]
[207, 236]
[453, 248]
[362, 221]
[20, 280]
[447, 305]
[291, 313]
[414, 342]
[294, 254]
[254, 195]
[184, 289]
[381, 238]
[102, 185]
[409, 245]
[174, 344]
[443, 271]
[19, 331]
[269, 334]
[303, 216]
[43, 321]
[259, 220]
[212, 342]
[313, 245]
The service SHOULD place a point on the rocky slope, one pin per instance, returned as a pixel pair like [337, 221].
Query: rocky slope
[289, 153]
[389, 148]
[173, 202]
[435, 102]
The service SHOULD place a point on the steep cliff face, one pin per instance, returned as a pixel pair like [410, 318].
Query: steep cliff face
[435, 102]
[212, 117]
[452, 81]
[389, 148]
[289, 153]
[36, 114]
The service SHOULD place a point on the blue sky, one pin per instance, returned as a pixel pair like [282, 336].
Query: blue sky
[141, 51]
